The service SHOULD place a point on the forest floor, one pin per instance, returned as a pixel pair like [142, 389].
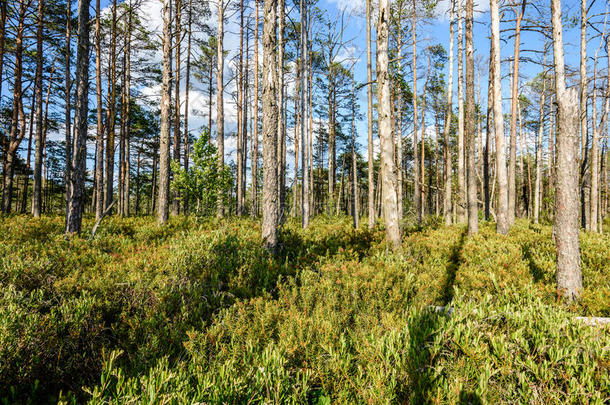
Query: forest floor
[196, 311]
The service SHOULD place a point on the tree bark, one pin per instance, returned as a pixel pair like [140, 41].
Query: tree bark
[185, 152]
[355, 206]
[566, 224]
[503, 225]
[220, 118]
[514, 106]
[111, 113]
[254, 158]
[99, 139]
[447, 127]
[388, 170]
[68, 101]
[37, 192]
[469, 126]
[76, 202]
[16, 135]
[281, 136]
[177, 125]
[270, 112]
[304, 134]
[583, 111]
[164, 138]
[416, 181]
[538, 185]
[461, 192]
[369, 96]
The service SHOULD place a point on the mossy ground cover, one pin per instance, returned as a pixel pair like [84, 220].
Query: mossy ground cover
[197, 311]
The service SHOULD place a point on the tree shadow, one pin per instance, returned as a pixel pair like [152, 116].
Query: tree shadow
[528, 255]
[424, 326]
[455, 259]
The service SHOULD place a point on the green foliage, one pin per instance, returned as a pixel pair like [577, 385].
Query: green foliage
[197, 311]
[202, 182]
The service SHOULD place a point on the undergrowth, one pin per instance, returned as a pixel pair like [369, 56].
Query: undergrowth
[197, 311]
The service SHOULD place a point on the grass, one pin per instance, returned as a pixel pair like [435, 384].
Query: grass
[197, 311]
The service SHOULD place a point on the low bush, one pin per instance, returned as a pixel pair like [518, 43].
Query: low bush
[197, 311]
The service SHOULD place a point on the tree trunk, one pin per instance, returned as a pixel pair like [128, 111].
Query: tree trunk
[37, 198]
[127, 167]
[76, 202]
[164, 138]
[355, 206]
[68, 107]
[3, 18]
[185, 156]
[111, 113]
[447, 127]
[254, 158]
[220, 117]
[512, 179]
[488, 130]
[15, 136]
[369, 95]
[281, 138]
[304, 135]
[416, 181]
[566, 225]
[502, 209]
[469, 126]
[388, 171]
[270, 112]
[583, 110]
[461, 195]
[177, 125]
[538, 185]
[99, 139]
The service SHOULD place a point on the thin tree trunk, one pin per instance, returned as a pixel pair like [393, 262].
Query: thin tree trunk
[416, 167]
[304, 143]
[99, 139]
[369, 95]
[583, 111]
[538, 185]
[111, 113]
[164, 138]
[37, 192]
[422, 159]
[68, 102]
[26, 177]
[3, 18]
[461, 194]
[512, 178]
[127, 167]
[297, 125]
[388, 171]
[469, 126]
[566, 225]
[220, 118]
[240, 115]
[177, 125]
[355, 205]
[270, 112]
[254, 157]
[488, 130]
[502, 209]
[281, 141]
[447, 127]
[185, 156]
[15, 136]
[76, 202]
